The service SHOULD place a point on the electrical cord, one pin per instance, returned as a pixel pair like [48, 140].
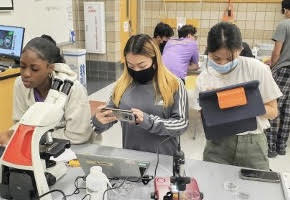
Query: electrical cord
[145, 179]
[129, 179]
[113, 188]
[77, 188]
[87, 195]
[51, 191]
[157, 151]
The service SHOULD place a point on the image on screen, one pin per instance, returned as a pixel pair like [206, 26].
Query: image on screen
[11, 41]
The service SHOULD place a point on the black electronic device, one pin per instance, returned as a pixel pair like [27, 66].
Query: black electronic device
[231, 110]
[122, 115]
[260, 175]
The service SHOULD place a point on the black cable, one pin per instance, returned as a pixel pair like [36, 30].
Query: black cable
[87, 195]
[113, 188]
[179, 147]
[51, 191]
[157, 151]
[77, 190]
[129, 179]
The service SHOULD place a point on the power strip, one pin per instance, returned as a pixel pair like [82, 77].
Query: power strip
[285, 178]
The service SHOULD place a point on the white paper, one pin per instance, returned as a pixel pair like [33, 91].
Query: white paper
[66, 156]
[126, 26]
[95, 35]
[180, 21]
[69, 13]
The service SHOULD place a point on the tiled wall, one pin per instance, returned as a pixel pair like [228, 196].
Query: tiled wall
[257, 21]
[101, 66]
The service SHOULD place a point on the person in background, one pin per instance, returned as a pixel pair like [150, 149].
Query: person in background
[182, 53]
[224, 68]
[40, 62]
[278, 133]
[162, 33]
[246, 52]
[155, 96]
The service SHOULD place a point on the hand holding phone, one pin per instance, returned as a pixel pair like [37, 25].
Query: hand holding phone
[139, 116]
[104, 116]
[260, 175]
[121, 115]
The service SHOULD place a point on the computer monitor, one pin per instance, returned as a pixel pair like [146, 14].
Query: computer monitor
[11, 41]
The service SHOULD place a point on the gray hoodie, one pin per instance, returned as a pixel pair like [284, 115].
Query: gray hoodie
[159, 122]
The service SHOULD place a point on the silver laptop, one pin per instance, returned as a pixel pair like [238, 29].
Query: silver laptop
[113, 167]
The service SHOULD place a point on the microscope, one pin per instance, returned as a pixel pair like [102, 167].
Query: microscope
[26, 171]
[178, 186]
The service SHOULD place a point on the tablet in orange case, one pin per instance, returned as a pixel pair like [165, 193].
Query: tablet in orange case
[232, 98]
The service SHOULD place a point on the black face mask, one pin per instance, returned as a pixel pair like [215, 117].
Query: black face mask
[142, 76]
[162, 45]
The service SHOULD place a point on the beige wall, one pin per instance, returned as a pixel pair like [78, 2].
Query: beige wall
[112, 21]
[257, 21]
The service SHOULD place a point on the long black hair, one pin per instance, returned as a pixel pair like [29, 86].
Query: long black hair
[224, 35]
[45, 47]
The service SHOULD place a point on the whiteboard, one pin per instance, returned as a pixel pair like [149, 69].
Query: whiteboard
[52, 17]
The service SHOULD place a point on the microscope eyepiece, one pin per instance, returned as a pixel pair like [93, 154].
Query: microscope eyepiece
[66, 86]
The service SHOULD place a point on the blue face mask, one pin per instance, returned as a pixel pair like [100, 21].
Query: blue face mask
[223, 68]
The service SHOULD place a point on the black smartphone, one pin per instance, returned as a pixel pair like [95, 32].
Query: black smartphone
[122, 115]
[260, 175]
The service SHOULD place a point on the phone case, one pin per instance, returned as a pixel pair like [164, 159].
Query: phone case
[122, 115]
[275, 180]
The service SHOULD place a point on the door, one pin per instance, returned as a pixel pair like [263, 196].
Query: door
[128, 22]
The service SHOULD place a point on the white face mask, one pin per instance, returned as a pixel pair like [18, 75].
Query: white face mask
[223, 69]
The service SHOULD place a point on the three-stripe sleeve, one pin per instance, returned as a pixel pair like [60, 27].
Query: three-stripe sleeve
[177, 122]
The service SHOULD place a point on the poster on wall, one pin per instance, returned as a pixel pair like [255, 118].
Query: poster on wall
[180, 21]
[6, 4]
[95, 34]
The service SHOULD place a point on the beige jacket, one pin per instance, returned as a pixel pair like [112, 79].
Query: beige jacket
[75, 125]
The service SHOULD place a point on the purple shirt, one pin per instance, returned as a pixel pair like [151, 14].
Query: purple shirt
[178, 54]
[37, 96]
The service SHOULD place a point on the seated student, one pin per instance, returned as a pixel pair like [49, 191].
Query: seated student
[182, 53]
[162, 33]
[225, 67]
[40, 62]
[156, 97]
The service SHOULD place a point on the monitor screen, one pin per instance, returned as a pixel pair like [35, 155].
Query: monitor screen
[11, 41]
